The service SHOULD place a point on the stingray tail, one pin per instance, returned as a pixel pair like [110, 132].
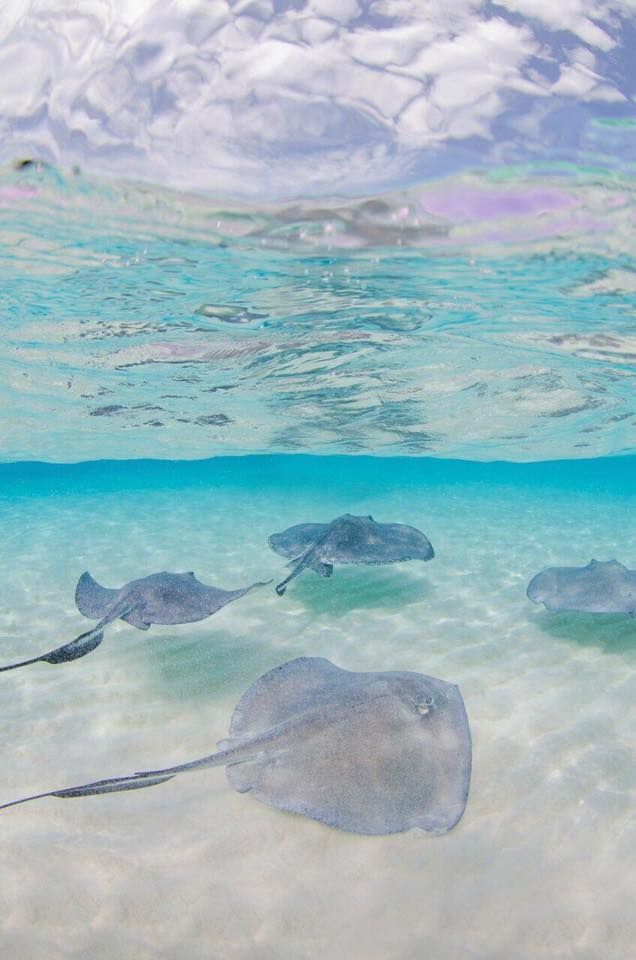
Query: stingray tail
[302, 563]
[309, 558]
[146, 778]
[243, 590]
[259, 583]
[113, 785]
[219, 759]
[69, 651]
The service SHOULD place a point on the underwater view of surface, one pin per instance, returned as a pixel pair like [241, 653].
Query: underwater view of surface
[271, 263]
[482, 316]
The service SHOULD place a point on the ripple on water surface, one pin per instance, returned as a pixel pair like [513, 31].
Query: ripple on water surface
[481, 316]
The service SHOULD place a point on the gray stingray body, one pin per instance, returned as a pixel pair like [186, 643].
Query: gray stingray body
[348, 539]
[167, 598]
[368, 753]
[600, 587]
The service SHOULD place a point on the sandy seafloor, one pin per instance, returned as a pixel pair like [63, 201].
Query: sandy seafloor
[543, 865]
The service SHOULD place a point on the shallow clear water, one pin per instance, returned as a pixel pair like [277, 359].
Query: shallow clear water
[488, 317]
[423, 307]
[482, 316]
[542, 864]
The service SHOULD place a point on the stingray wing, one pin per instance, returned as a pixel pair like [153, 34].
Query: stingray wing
[363, 540]
[69, 651]
[282, 693]
[296, 540]
[91, 598]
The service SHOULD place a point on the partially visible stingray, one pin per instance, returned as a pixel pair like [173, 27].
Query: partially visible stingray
[167, 598]
[370, 753]
[347, 539]
[600, 587]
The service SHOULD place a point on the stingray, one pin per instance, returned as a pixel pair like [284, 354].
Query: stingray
[600, 587]
[167, 598]
[369, 753]
[347, 539]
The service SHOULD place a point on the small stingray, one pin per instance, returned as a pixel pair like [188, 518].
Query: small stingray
[347, 539]
[371, 753]
[600, 587]
[167, 598]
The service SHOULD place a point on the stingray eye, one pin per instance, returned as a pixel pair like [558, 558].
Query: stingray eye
[424, 707]
[369, 517]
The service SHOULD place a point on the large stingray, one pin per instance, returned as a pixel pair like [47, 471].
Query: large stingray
[347, 539]
[167, 598]
[369, 753]
[600, 587]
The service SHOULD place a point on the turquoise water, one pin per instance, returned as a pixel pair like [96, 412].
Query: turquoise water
[481, 316]
[422, 308]
[542, 862]
[183, 377]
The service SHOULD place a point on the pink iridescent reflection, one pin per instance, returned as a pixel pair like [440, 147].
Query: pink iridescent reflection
[468, 203]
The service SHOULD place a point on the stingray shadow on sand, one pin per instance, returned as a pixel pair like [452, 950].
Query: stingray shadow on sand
[609, 632]
[362, 588]
[202, 665]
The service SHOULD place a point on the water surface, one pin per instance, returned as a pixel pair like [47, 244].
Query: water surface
[481, 316]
